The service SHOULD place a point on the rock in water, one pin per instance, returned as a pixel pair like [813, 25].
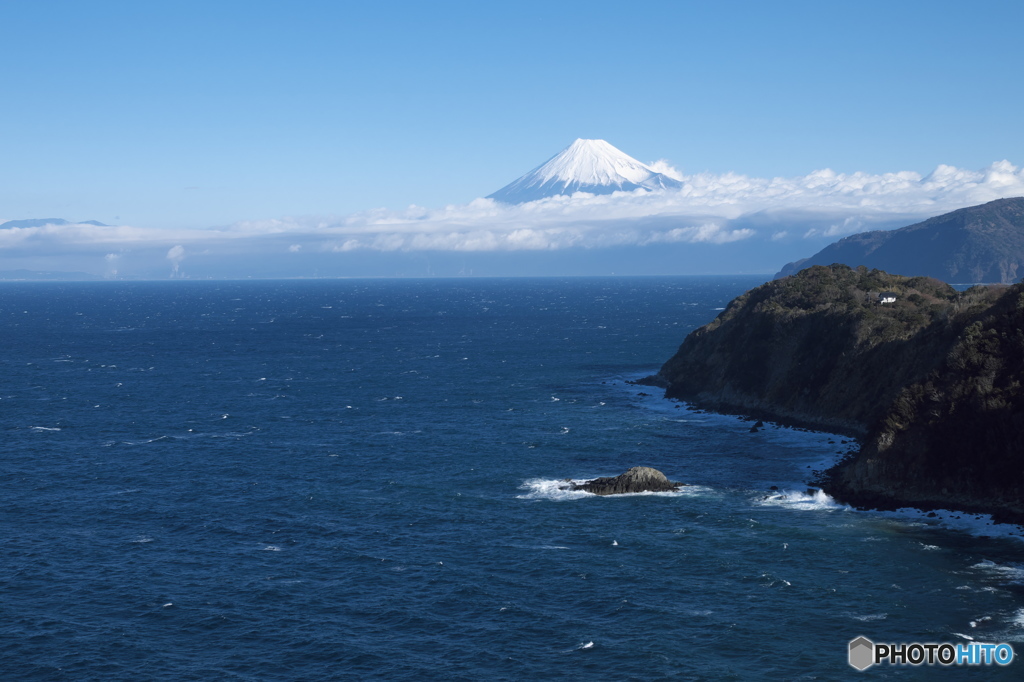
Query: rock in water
[636, 480]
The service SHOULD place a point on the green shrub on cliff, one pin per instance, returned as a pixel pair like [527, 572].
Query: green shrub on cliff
[816, 347]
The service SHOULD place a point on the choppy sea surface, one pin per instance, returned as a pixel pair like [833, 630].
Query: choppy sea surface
[357, 479]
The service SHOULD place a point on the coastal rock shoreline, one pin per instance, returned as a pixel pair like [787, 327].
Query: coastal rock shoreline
[930, 387]
[635, 480]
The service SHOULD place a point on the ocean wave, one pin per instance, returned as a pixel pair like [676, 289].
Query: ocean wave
[550, 489]
[818, 500]
[582, 646]
[147, 441]
[1004, 627]
[869, 617]
[1013, 573]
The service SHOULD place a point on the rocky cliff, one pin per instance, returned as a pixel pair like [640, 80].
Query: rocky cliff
[954, 438]
[931, 384]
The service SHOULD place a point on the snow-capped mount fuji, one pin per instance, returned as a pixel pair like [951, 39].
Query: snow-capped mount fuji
[592, 166]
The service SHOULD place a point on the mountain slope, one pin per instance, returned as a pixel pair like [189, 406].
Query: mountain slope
[592, 166]
[976, 244]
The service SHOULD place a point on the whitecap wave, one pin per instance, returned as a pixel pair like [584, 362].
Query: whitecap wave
[1013, 573]
[147, 441]
[817, 500]
[582, 646]
[44, 428]
[550, 489]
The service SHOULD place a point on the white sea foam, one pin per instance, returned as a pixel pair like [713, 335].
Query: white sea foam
[819, 500]
[1013, 573]
[550, 489]
[272, 548]
[975, 524]
[150, 440]
[1005, 628]
[44, 428]
[870, 617]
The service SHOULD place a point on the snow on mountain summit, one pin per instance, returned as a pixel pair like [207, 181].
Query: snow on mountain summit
[592, 166]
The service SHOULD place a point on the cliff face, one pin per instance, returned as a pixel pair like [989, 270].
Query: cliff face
[977, 244]
[818, 347]
[955, 438]
[931, 384]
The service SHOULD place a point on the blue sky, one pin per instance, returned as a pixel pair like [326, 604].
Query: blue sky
[189, 115]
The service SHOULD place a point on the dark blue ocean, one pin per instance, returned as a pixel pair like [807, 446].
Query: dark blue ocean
[315, 480]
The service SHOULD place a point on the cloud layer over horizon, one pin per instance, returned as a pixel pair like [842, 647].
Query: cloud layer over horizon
[708, 209]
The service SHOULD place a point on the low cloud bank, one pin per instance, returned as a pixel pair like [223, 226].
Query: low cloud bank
[708, 209]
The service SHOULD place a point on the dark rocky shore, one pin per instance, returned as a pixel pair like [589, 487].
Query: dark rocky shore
[931, 385]
[636, 480]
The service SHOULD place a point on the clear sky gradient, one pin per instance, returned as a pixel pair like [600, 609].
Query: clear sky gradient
[201, 114]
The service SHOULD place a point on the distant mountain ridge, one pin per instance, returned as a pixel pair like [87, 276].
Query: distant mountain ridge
[43, 222]
[982, 243]
[592, 166]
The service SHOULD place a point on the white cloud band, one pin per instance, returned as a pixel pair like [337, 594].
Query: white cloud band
[708, 208]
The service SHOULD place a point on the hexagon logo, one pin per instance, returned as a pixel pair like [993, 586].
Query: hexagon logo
[862, 653]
